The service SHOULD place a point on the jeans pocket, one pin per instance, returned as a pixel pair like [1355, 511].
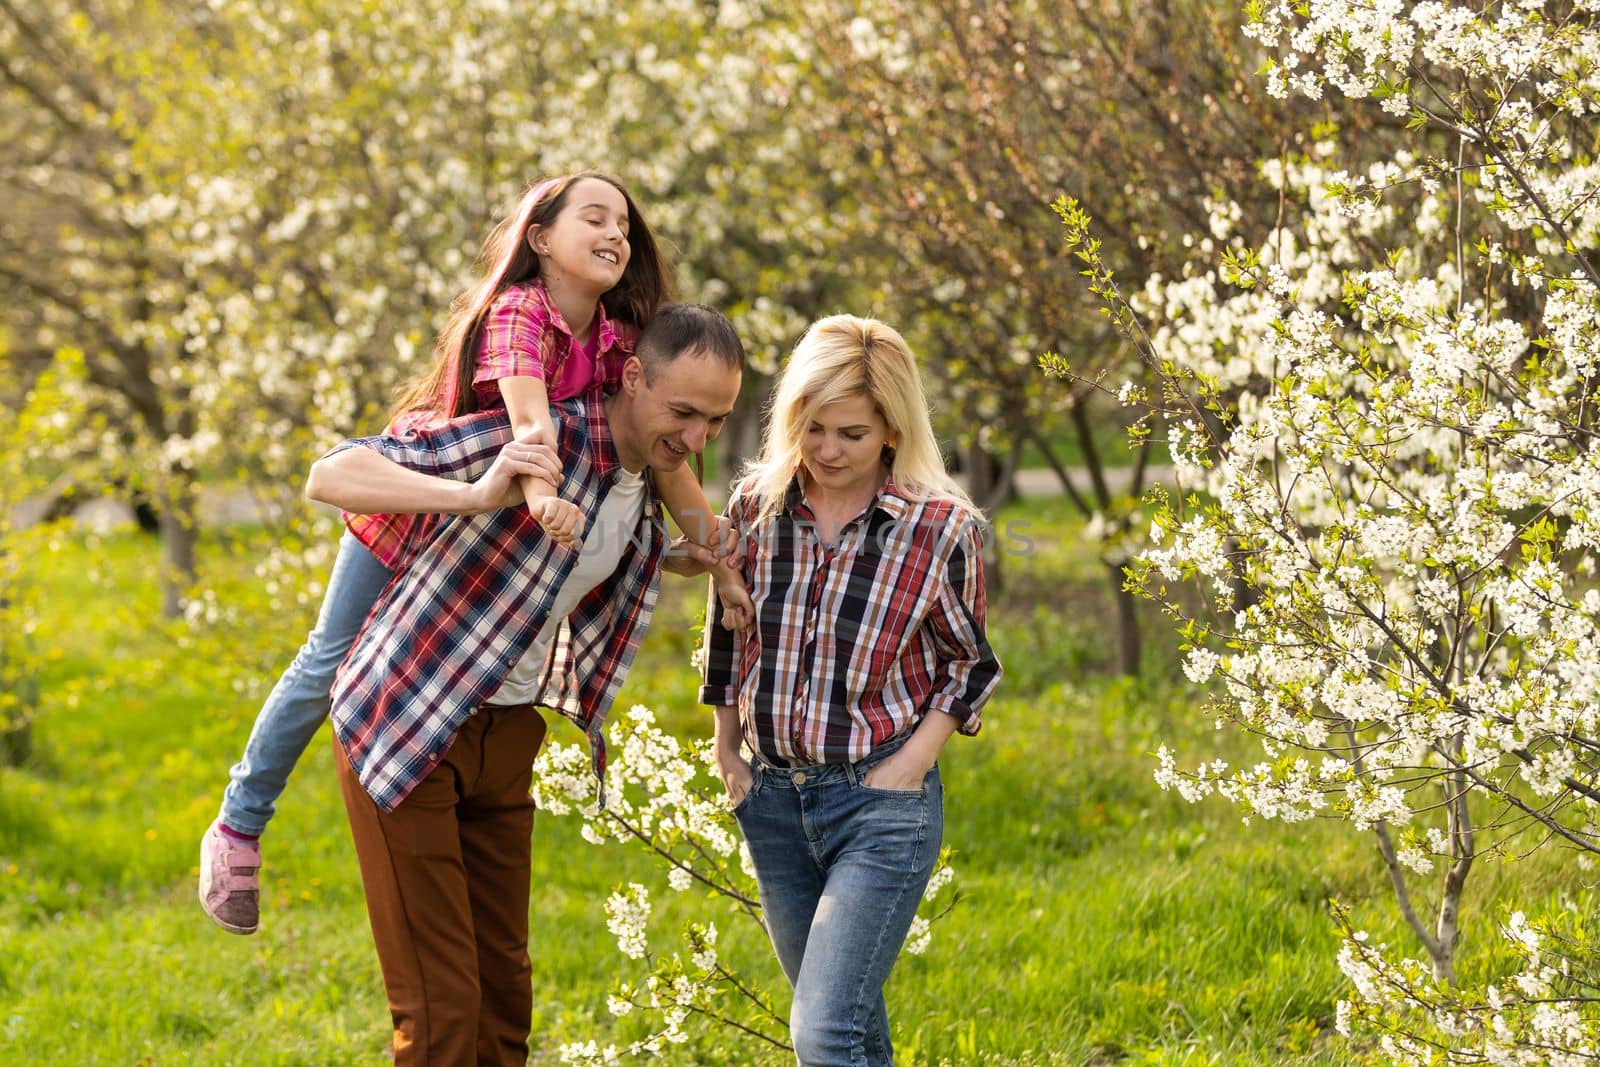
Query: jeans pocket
[917, 792]
[920, 791]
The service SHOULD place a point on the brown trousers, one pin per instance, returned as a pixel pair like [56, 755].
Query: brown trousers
[446, 876]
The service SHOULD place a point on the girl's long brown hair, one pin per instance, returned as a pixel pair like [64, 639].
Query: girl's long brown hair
[507, 260]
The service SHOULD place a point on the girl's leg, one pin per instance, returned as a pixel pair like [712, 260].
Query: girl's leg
[230, 888]
[298, 704]
[880, 849]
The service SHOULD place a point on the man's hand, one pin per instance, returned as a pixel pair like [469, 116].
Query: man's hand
[561, 519]
[498, 487]
[690, 558]
[729, 543]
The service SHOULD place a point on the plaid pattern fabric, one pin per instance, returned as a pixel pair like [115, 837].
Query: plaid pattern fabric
[523, 335]
[474, 591]
[385, 534]
[854, 642]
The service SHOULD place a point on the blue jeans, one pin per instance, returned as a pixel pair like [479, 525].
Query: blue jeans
[299, 703]
[841, 867]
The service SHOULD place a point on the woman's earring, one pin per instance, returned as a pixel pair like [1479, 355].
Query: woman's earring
[888, 455]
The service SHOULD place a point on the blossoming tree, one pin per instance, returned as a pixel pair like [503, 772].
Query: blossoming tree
[1383, 416]
[971, 117]
[251, 217]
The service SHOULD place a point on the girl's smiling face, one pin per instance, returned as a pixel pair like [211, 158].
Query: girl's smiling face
[842, 448]
[588, 241]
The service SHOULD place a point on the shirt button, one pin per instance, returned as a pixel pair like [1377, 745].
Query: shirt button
[800, 779]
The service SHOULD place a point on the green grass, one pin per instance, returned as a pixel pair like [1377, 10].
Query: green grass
[1101, 921]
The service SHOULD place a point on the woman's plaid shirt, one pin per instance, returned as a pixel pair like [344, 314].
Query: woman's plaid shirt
[471, 594]
[854, 642]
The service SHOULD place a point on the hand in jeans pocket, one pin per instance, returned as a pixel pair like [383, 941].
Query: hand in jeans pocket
[897, 773]
[737, 777]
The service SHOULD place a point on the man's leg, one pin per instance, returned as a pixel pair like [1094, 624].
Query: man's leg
[417, 902]
[496, 824]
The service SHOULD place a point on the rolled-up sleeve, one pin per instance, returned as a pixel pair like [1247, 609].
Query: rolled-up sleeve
[459, 450]
[968, 670]
[516, 339]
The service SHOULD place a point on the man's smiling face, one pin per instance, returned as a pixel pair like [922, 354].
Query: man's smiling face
[673, 412]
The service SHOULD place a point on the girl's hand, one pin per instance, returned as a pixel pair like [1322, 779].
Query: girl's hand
[561, 519]
[738, 610]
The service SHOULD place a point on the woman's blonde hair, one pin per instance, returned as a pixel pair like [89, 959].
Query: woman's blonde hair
[840, 357]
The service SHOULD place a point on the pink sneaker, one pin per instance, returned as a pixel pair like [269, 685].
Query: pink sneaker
[230, 892]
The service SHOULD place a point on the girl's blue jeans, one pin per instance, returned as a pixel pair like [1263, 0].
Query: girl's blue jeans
[299, 703]
[841, 868]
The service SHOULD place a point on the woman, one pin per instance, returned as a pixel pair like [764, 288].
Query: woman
[868, 651]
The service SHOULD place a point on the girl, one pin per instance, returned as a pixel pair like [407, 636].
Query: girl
[868, 651]
[572, 274]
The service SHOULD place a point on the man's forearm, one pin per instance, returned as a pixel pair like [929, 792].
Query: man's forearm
[362, 481]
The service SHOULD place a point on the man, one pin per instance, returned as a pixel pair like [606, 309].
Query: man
[434, 720]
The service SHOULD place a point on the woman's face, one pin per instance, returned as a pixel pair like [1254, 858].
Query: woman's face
[588, 241]
[842, 449]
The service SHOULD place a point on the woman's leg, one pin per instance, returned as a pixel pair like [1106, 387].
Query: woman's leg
[789, 879]
[879, 848]
[298, 704]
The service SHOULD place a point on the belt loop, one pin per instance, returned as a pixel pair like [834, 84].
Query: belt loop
[850, 773]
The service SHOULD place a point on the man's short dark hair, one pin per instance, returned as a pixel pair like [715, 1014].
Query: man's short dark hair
[678, 329]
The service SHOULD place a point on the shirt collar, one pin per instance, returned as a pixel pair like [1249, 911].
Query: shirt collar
[890, 500]
[609, 333]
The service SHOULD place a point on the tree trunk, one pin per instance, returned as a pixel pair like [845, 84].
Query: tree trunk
[179, 527]
[1129, 640]
[989, 478]
[16, 742]
[17, 675]
[740, 439]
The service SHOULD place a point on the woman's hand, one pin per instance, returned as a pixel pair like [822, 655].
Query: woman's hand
[736, 776]
[902, 772]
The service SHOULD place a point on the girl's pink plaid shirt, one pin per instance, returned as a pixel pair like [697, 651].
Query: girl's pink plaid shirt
[523, 335]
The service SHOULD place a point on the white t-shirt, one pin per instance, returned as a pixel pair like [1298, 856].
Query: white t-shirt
[603, 543]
